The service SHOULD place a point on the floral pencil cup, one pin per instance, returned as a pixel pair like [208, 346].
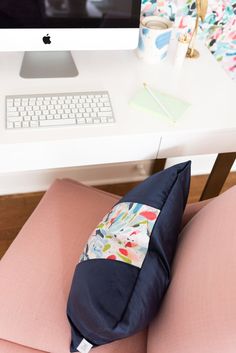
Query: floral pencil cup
[154, 38]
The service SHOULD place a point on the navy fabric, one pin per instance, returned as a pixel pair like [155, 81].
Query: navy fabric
[164, 234]
[155, 190]
[109, 299]
[109, 286]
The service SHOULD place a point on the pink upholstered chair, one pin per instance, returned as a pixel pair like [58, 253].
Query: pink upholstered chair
[36, 273]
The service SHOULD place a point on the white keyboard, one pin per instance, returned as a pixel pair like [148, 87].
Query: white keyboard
[44, 110]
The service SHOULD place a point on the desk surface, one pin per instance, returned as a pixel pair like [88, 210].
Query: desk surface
[208, 126]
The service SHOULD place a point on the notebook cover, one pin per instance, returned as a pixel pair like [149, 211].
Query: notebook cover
[144, 101]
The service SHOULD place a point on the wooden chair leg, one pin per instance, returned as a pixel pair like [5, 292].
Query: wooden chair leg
[219, 173]
[158, 165]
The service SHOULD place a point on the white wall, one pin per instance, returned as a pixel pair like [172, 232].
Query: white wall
[12, 183]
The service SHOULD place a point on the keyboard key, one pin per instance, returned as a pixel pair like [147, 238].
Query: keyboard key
[25, 124]
[10, 125]
[15, 118]
[96, 121]
[11, 114]
[81, 121]
[105, 109]
[12, 109]
[57, 122]
[34, 123]
[104, 100]
[105, 114]
[10, 103]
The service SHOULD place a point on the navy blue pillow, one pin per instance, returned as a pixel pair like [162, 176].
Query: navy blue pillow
[124, 270]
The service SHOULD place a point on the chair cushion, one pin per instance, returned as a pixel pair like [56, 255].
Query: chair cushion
[136, 343]
[124, 269]
[36, 271]
[199, 310]
[9, 347]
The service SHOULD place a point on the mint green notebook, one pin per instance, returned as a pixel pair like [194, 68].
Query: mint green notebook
[143, 100]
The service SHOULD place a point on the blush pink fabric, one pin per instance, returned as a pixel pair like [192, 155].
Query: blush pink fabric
[36, 271]
[191, 209]
[198, 314]
[134, 344]
[9, 347]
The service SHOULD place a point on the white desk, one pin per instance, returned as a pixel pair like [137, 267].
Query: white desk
[209, 125]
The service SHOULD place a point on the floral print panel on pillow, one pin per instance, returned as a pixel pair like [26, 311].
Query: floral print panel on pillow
[123, 234]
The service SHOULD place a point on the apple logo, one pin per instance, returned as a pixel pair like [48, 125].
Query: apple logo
[46, 39]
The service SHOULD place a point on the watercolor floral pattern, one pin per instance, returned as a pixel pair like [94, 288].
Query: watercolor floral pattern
[218, 30]
[123, 234]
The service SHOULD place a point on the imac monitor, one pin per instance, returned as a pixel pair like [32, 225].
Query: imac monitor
[44, 28]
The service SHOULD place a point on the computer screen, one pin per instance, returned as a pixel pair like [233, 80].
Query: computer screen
[69, 24]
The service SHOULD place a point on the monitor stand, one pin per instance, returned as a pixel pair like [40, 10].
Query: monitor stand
[48, 64]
